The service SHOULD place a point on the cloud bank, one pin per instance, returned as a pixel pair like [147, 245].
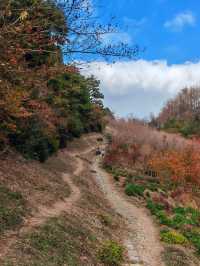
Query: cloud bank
[122, 78]
[142, 86]
[181, 20]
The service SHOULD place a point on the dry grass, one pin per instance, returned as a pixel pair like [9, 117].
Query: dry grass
[38, 183]
[132, 131]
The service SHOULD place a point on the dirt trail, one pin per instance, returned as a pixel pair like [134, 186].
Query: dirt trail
[142, 242]
[65, 205]
[44, 212]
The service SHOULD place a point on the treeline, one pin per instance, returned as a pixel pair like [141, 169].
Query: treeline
[181, 114]
[43, 103]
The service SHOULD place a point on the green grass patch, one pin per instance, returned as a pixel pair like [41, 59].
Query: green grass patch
[134, 190]
[12, 209]
[158, 210]
[154, 207]
[111, 253]
[187, 215]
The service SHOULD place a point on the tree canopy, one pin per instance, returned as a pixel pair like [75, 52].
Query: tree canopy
[44, 102]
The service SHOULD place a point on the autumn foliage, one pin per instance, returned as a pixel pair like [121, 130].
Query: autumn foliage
[181, 166]
[170, 157]
[43, 102]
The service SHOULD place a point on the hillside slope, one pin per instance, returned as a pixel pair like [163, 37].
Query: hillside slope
[66, 219]
[69, 211]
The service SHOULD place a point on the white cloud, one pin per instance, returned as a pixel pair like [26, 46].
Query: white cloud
[181, 20]
[141, 86]
[122, 78]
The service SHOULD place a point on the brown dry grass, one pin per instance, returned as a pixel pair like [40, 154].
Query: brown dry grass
[38, 183]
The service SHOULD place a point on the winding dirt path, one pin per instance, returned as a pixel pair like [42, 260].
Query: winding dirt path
[142, 241]
[45, 212]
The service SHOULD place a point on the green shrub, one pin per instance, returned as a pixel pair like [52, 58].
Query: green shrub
[134, 190]
[75, 126]
[111, 253]
[154, 207]
[33, 142]
[157, 209]
[185, 216]
[163, 218]
[178, 221]
[180, 210]
[193, 236]
[173, 237]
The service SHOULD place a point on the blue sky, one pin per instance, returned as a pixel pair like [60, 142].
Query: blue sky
[169, 30]
[144, 22]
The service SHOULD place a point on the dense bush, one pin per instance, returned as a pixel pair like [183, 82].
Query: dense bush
[34, 142]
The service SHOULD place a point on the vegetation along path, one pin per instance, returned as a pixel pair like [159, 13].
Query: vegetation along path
[142, 243]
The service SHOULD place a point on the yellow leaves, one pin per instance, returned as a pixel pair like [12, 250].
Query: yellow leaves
[23, 15]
